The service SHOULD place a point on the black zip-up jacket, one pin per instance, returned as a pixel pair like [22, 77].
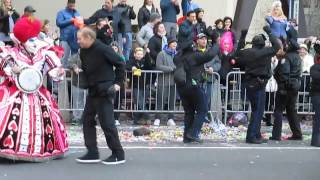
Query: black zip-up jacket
[143, 64]
[144, 15]
[288, 72]
[315, 75]
[194, 61]
[257, 61]
[126, 15]
[98, 62]
[201, 27]
[155, 45]
[4, 21]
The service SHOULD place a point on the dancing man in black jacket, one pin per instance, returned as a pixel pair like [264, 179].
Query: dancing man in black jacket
[97, 63]
[193, 97]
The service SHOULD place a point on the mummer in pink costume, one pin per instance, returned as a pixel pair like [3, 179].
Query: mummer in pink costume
[31, 126]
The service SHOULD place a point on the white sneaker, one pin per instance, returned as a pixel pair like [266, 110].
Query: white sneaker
[156, 122]
[117, 123]
[171, 123]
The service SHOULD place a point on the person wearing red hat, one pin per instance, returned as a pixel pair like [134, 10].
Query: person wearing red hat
[31, 125]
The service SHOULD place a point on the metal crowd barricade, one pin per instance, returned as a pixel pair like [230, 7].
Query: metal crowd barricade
[304, 105]
[153, 92]
[235, 99]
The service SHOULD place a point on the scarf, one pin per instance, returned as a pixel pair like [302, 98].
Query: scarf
[169, 51]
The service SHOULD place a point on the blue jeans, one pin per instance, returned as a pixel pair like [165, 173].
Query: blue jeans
[315, 141]
[127, 46]
[195, 105]
[66, 53]
[257, 99]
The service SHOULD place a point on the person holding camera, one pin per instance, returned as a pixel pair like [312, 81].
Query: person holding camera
[8, 17]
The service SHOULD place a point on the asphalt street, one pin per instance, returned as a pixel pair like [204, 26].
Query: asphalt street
[288, 161]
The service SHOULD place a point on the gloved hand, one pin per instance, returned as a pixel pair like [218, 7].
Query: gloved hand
[267, 29]
[244, 33]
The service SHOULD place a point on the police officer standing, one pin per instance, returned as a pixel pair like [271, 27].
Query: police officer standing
[288, 77]
[257, 63]
[97, 63]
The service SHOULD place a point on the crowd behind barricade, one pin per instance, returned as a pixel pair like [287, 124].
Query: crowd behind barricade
[151, 65]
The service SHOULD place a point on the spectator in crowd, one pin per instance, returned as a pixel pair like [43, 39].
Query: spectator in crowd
[104, 31]
[120, 95]
[217, 31]
[146, 32]
[307, 59]
[169, 11]
[256, 61]
[145, 11]
[188, 5]
[126, 15]
[186, 30]
[8, 17]
[307, 62]
[228, 28]
[166, 92]
[226, 54]
[108, 11]
[288, 75]
[68, 31]
[210, 68]
[138, 63]
[315, 93]
[192, 94]
[65, 20]
[158, 41]
[201, 26]
[28, 11]
[277, 20]
[45, 29]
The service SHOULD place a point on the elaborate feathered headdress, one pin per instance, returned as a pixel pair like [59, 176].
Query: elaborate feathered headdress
[26, 28]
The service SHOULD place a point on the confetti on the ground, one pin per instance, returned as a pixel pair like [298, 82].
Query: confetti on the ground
[164, 134]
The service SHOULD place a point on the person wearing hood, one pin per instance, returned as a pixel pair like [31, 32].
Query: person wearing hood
[315, 94]
[257, 63]
[146, 32]
[288, 77]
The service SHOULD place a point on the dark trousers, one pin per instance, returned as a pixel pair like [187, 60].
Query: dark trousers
[104, 108]
[286, 102]
[315, 141]
[195, 105]
[269, 105]
[257, 98]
